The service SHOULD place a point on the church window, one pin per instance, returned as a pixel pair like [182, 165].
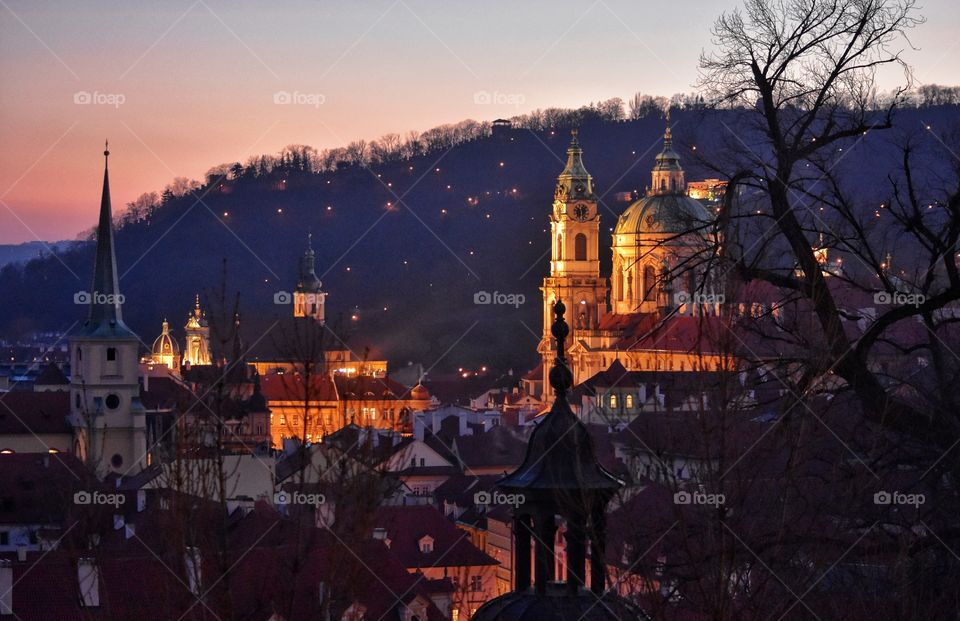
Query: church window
[283, 419]
[111, 353]
[629, 401]
[112, 401]
[649, 283]
[77, 400]
[580, 247]
[613, 401]
[117, 460]
[559, 247]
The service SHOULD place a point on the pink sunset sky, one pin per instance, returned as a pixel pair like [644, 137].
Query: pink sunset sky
[179, 87]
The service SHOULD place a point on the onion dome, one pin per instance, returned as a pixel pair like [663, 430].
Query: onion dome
[309, 281]
[165, 345]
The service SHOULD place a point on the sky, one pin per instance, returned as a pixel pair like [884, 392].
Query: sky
[181, 86]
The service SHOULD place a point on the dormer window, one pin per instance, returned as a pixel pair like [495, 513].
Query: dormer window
[426, 544]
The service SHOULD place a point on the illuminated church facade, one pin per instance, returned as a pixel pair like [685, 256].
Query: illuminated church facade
[644, 313]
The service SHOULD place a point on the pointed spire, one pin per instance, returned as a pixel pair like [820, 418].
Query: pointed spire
[106, 316]
[574, 182]
[309, 281]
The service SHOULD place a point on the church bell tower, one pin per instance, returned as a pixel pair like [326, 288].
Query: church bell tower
[575, 258]
[108, 420]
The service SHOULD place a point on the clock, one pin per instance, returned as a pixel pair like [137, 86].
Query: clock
[581, 212]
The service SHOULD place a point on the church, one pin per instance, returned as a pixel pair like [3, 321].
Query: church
[646, 314]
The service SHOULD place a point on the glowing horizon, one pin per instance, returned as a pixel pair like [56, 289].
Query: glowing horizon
[181, 87]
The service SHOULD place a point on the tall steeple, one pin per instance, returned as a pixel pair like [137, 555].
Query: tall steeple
[574, 182]
[667, 173]
[308, 298]
[106, 301]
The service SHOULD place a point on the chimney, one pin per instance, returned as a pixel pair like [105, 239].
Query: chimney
[129, 530]
[88, 579]
[192, 562]
[6, 587]
[22, 553]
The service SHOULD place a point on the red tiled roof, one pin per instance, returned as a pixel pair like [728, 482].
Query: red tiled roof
[292, 387]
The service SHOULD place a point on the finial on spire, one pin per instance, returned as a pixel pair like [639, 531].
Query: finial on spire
[561, 378]
[574, 139]
[106, 148]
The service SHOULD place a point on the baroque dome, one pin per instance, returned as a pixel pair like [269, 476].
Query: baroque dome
[662, 213]
[165, 345]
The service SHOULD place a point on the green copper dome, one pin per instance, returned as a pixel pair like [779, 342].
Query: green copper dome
[663, 213]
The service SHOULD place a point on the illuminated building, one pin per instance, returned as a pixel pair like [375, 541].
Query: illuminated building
[308, 298]
[165, 349]
[652, 314]
[196, 350]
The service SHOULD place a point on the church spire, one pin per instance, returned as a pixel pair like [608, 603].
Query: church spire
[574, 182]
[667, 173]
[106, 316]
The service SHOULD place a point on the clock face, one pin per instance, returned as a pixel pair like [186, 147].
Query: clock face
[581, 211]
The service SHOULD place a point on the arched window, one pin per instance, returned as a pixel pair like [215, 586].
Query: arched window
[649, 283]
[559, 247]
[580, 247]
[613, 401]
[629, 402]
[663, 183]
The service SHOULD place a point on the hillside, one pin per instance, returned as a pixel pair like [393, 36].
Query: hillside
[473, 219]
